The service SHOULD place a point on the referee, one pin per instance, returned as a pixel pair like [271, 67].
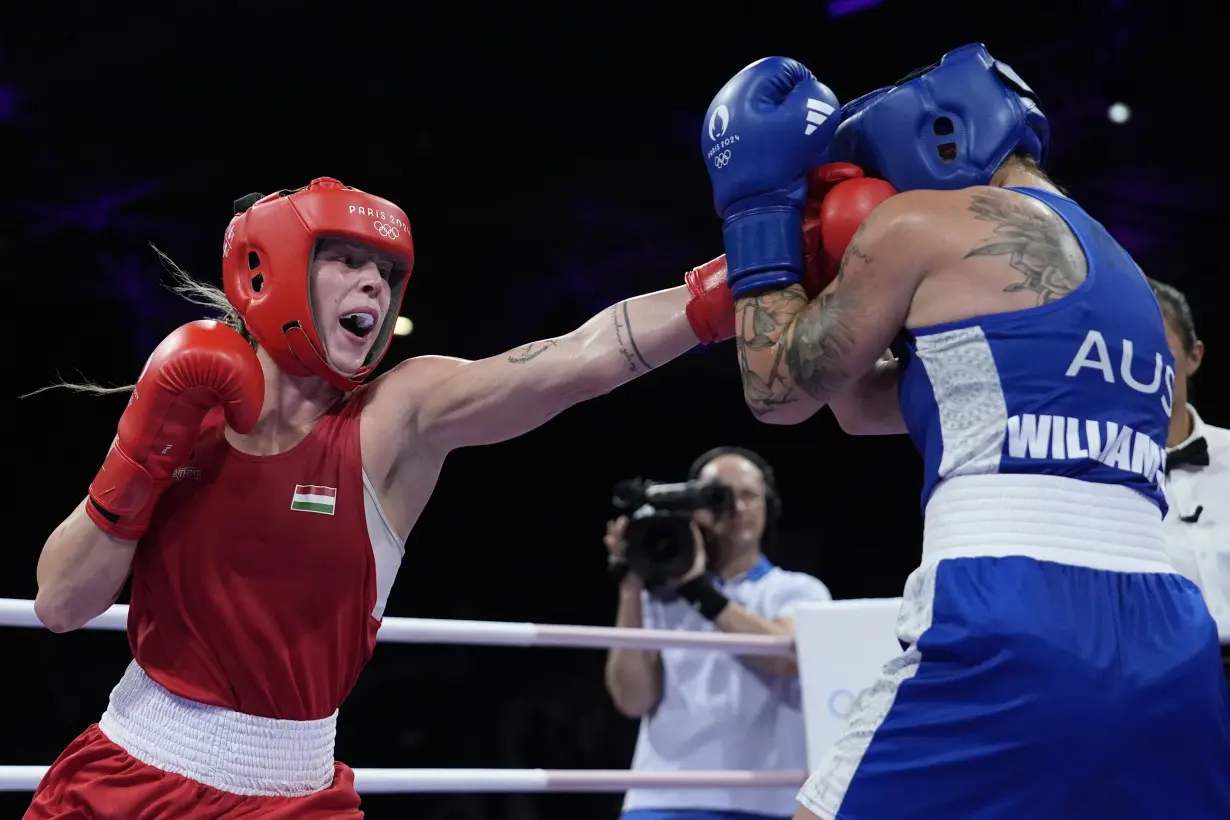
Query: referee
[1197, 476]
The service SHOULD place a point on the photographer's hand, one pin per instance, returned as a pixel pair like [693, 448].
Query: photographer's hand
[617, 561]
[633, 676]
[700, 563]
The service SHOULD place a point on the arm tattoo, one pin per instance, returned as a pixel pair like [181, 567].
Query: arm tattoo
[532, 351]
[1036, 245]
[809, 341]
[820, 338]
[817, 347]
[623, 334]
[764, 318]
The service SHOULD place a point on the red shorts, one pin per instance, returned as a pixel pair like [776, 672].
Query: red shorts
[94, 779]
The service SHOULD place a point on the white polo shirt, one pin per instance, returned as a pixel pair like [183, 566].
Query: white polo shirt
[1197, 526]
[719, 713]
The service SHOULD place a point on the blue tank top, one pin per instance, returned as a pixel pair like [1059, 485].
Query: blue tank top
[1081, 387]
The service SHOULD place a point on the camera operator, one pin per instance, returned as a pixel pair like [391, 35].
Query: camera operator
[690, 558]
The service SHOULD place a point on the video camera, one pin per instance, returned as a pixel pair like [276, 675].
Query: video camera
[659, 534]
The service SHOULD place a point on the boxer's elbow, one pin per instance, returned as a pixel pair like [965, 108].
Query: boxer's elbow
[63, 610]
[55, 605]
[784, 417]
[783, 410]
[770, 391]
[56, 612]
[62, 606]
[81, 571]
[52, 619]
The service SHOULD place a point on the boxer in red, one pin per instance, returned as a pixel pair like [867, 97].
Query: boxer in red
[260, 489]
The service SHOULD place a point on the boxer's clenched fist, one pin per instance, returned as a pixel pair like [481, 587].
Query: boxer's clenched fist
[201, 365]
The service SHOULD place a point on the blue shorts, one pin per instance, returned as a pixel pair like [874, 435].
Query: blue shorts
[1038, 689]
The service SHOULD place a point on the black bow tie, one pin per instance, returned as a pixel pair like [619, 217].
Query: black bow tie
[1193, 454]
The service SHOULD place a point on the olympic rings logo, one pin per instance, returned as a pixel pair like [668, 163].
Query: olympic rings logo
[386, 230]
[842, 702]
[722, 159]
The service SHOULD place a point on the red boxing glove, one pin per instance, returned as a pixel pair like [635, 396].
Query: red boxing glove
[839, 199]
[198, 367]
[711, 310]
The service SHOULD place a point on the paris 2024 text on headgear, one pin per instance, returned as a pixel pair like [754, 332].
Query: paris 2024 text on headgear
[950, 125]
[266, 268]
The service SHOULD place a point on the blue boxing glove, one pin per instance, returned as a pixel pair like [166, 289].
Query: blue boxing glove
[767, 127]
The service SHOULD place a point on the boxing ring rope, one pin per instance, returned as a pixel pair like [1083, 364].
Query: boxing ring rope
[20, 613]
[505, 781]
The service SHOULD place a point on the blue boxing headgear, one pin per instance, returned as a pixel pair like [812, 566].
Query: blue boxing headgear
[950, 125]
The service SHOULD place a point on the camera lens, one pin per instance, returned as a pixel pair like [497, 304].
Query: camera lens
[660, 546]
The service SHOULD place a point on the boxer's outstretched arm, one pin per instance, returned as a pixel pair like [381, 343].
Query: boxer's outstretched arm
[481, 402]
[796, 355]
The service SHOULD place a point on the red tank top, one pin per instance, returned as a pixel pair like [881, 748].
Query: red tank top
[255, 586]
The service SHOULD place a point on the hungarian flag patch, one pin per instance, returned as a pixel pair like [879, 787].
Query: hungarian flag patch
[310, 498]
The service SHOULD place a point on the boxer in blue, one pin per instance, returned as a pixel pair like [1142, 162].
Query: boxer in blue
[1054, 664]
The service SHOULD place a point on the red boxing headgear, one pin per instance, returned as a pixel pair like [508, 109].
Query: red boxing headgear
[267, 260]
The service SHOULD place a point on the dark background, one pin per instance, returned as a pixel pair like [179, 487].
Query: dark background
[548, 156]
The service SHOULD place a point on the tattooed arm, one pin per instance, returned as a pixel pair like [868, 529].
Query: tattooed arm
[457, 403]
[797, 356]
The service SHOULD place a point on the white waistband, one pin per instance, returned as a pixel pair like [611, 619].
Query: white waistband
[230, 751]
[1050, 518]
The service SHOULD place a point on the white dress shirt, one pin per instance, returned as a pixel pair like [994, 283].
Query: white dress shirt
[1198, 524]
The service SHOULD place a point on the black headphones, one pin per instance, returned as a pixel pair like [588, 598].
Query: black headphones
[773, 502]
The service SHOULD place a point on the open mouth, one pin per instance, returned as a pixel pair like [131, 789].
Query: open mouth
[359, 325]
